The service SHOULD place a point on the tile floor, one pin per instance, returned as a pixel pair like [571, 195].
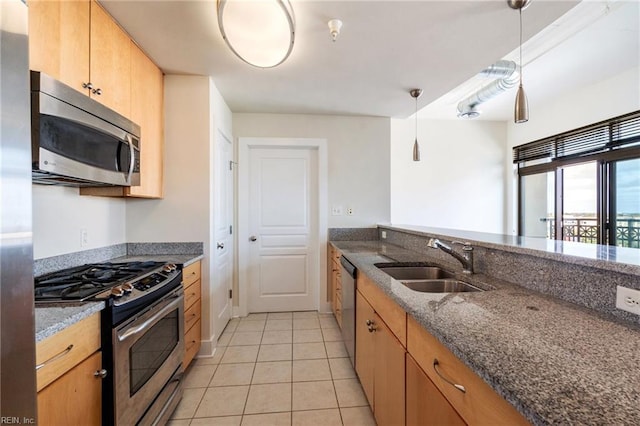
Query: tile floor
[286, 368]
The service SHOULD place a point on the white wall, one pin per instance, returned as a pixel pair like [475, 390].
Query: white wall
[606, 99]
[358, 151]
[60, 213]
[193, 110]
[460, 181]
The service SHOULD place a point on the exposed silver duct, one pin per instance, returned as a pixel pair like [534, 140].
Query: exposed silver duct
[505, 77]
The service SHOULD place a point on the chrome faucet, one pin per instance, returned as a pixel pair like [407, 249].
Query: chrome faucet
[466, 258]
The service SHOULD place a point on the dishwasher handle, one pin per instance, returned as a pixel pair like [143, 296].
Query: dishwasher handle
[348, 266]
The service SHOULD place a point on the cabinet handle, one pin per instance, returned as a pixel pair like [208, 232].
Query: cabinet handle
[55, 357]
[436, 363]
[100, 374]
[97, 91]
[193, 342]
[87, 86]
[370, 326]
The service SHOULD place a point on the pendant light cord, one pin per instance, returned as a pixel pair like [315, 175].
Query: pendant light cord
[416, 118]
[520, 46]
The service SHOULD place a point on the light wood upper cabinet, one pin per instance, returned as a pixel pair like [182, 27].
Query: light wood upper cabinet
[59, 40]
[147, 110]
[110, 62]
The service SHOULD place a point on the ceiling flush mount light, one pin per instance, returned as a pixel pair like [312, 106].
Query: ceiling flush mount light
[521, 109]
[334, 28]
[415, 93]
[260, 32]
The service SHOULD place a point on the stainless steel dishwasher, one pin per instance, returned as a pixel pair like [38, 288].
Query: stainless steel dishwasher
[348, 283]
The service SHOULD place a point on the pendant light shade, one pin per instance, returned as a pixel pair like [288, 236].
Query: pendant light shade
[521, 109]
[415, 93]
[261, 33]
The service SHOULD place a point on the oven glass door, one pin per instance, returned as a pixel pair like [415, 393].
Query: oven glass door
[148, 349]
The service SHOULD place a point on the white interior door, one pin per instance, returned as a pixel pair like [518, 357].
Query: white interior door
[283, 268]
[222, 252]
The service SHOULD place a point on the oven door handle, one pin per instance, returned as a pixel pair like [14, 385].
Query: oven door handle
[135, 329]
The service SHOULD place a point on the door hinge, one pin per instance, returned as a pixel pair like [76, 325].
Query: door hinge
[230, 294]
[230, 229]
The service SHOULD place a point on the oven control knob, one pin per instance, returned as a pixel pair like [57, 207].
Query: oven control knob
[117, 291]
[127, 287]
[169, 267]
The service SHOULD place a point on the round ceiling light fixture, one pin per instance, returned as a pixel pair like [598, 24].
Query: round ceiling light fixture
[261, 33]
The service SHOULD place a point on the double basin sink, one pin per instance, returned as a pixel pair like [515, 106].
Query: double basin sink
[426, 278]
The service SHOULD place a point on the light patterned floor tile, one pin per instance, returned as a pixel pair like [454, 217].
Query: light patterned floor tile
[271, 419]
[189, 403]
[280, 315]
[225, 338]
[181, 422]
[242, 338]
[232, 375]
[330, 335]
[314, 396]
[328, 322]
[307, 336]
[238, 354]
[279, 324]
[350, 393]
[306, 324]
[272, 372]
[330, 417]
[199, 376]
[341, 368]
[360, 416]
[270, 398]
[336, 350]
[210, 360]
[217, 421]
[275, 337]
[223, 401]
[307, 370]
[305, 314]
[254, 317]
[257, 325]
[309, 350]
[281, 352]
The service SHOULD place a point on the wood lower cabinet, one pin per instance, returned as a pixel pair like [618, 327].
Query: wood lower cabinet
[335, 283]
[380, 364]
[191, 281]
[75, 398]
[425, 404]
[69, 380]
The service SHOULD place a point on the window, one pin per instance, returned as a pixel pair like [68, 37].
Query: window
[583, 185]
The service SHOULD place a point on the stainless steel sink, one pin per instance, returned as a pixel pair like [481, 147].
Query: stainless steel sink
[440, 286]
[402, 273]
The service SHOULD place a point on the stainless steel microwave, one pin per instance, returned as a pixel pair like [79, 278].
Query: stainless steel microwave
[76, 141]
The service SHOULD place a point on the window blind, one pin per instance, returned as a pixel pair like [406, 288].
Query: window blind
[616, 133]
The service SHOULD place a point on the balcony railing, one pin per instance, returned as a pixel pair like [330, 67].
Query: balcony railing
[585, 230]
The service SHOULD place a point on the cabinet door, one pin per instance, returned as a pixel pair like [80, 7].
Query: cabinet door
[110, 62]
[59, 40]
[389, 392]
[147, 89]
[365, 346]
[425, 404]
[75, 398]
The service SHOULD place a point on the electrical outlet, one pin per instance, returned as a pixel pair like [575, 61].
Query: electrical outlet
[336, 211]
[628, 300]
[350, 211]
[383, 234]
[84, 237]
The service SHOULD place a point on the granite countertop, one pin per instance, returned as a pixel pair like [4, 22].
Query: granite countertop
[554, 361]
[50, 319]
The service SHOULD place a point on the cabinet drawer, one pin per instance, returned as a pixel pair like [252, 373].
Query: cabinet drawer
[191, 294]
[191, 315]
[336, 256]
[191, 274]
[390, 312]
[479, 404]
[191, 343]
[64, 350]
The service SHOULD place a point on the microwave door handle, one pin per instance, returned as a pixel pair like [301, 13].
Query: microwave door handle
[132, 159]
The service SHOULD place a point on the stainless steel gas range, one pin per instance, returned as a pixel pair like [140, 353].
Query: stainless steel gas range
[142, 333]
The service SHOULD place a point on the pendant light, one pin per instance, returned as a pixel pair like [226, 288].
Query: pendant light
[521, 109]
[415, 93]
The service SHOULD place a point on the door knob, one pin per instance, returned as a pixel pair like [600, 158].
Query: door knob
[253, 238]
[220, 245]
